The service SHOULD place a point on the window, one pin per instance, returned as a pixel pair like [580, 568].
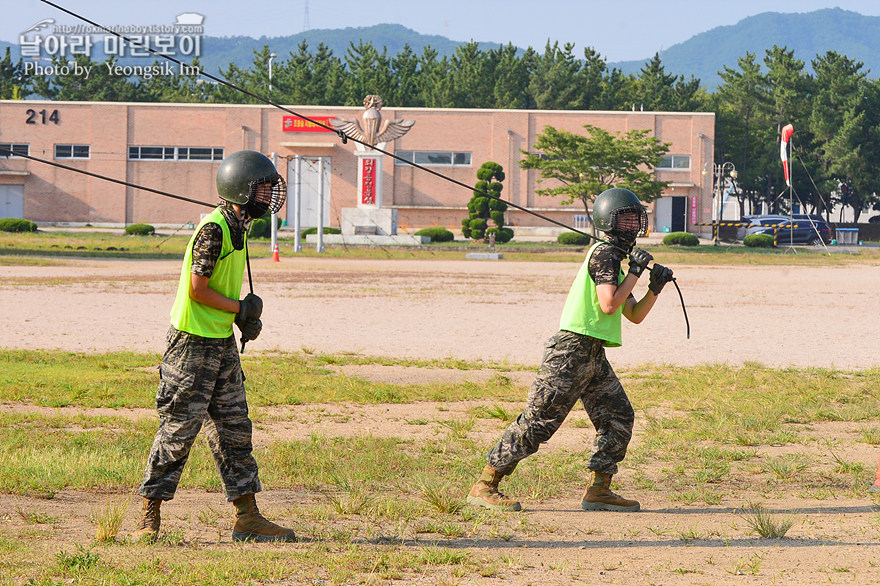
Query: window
[150, 153]
[199, 154]
[169, 153]
[434, 158]
[676, 162]
[72, 151]
[17, 149]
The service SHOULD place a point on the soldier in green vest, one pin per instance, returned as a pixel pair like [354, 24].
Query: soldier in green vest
[202, 383]
[574, 366]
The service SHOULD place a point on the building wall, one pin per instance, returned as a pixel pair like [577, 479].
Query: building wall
[58, 195]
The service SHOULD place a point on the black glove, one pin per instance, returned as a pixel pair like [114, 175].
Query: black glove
[638, 260]
[250, 329]
[251, 308]
[660, 275]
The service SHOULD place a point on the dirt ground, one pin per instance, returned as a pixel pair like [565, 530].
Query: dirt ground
[778, 316]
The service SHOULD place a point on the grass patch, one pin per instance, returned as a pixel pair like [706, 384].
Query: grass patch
[374, 508]
[495, 411]
[125, 379]
[170, 243]
[108, 519]
[766, 524]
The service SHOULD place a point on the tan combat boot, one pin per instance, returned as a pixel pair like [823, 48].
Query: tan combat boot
[485, 493]
[250, 525]
[599, 496]
[148, 528]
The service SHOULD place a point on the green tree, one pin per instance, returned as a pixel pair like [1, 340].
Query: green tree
[869, 178]
[435, 81]
[654, 87]
[838, 122]
[369, 73]
[554, 83]
[255, 80]
[658, 91]
[581, 167]
[473, 75]
[789, 89]
[618, 91]
[739, 99]
[481, 208]
[405, 66]
[12, 85]
[102, 84]
[511, 88]
[328, 78]
[293, 79]
[591, 80]
[180, 87]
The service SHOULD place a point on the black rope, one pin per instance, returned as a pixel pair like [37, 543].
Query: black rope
[105, 178]
[687, 322]
[343, 137]
[250, 283]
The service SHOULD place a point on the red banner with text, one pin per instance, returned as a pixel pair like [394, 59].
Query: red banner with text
[297, 124]
[368, 181]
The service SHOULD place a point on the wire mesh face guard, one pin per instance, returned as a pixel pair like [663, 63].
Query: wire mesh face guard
[266, 195]
[629, 222]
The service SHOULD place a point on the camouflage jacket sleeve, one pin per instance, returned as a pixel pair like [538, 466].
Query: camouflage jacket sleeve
[604, 265]
[206, 250]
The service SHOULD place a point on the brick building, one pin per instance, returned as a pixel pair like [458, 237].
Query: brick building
[177, 148]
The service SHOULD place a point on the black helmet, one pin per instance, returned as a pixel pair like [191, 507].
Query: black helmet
[239, 176]
[608, 208]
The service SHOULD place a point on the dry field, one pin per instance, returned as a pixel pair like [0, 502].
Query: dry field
[501, 312]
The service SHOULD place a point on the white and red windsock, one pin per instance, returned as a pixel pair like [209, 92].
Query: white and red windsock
[787, 131]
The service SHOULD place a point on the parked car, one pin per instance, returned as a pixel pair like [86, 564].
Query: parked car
[808, 217]
[805, 231]
[760, 222]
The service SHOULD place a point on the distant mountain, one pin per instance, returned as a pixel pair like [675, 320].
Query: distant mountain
[808, 34]
[219, 51]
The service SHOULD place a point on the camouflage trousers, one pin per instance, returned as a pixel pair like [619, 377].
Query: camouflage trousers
[574, 367]
[201, 384]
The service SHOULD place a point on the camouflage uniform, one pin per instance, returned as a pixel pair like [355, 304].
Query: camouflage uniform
[574, 368]
[202, 383]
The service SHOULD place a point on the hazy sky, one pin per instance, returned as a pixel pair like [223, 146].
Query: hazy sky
[619, 30]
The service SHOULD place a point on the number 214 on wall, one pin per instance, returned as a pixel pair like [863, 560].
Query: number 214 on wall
[34, 117]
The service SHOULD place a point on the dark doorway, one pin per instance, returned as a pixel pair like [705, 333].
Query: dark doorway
[679, 211]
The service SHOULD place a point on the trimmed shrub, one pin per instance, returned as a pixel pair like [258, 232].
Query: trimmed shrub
[258, 228]
[17, 225]
[437, 234]
[481, 208]
[314, 230]
[572, 238]
[496, 205]
[502, 235]
[758, 241]
[681, 239]
[479, 224]
[140, 230]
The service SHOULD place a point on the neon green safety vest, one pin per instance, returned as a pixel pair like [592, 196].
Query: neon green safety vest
[582, 314]
[189, 315]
